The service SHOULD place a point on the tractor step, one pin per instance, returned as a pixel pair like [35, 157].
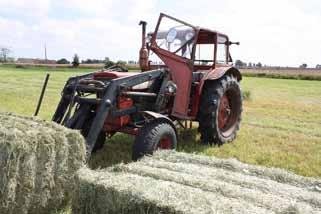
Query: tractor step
[135, 94]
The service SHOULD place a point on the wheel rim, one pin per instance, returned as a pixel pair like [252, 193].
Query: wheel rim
[228, 112]
[164, 143]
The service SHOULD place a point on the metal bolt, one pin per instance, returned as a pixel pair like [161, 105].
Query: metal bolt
[108, 102]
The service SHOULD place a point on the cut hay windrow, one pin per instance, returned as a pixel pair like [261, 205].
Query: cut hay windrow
[171, 182]
[38, 161]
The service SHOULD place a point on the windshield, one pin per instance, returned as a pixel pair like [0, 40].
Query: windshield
[175, 37]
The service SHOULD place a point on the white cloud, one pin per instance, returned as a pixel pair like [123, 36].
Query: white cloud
[12, 33]
[23, 8]
[275, 32]
[92, 7]
[278, 32]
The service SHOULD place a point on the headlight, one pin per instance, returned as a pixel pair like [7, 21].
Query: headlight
[170, 88]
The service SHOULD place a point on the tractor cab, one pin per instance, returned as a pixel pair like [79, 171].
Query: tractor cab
[201, 48]
[191, 54]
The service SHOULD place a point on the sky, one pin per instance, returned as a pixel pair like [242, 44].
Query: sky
[273, 32]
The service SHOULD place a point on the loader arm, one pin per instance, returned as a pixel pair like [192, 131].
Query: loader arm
[104, 105]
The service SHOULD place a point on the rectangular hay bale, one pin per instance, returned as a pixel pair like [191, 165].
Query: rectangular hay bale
[38, 161]
[172, 182]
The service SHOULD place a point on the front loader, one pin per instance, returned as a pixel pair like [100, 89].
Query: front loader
[186, 74]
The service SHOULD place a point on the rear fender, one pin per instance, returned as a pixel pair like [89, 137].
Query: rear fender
[221, 71]
[212, 75]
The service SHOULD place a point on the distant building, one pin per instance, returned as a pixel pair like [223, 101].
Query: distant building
[318, 66]
[35, 61]
[25, 60]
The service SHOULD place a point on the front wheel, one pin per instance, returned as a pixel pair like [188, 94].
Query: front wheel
[220, 110]
[154, 135]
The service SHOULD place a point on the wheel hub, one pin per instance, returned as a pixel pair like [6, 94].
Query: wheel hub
[164, 143]
[224, 112]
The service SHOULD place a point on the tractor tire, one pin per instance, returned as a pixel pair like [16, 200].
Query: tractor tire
[220, 110]
[154, 135]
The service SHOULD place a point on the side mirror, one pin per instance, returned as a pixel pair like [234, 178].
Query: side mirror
[234, 43]
[171, 35]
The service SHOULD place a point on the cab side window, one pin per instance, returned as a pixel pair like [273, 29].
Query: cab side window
[221, 54]
[204, 54]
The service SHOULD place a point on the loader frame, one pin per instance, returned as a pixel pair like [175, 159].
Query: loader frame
[110, 93]
[176, 88]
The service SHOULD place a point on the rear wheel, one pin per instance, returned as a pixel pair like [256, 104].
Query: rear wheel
[220, 110]
[153, 136]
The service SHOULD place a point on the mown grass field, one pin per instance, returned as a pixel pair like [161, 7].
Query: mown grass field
[281, 124]
[284, 73]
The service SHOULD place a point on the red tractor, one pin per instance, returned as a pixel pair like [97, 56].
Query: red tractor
[186, 75]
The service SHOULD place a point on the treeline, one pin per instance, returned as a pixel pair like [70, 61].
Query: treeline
[103, 61]
[107, 61]
[240, 64]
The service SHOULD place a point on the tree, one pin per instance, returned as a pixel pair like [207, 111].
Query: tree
[121, 63]
[239, 63]
[88, 61]
[304, 65]
[108, 62]
[259, 65]
[63, 61]
[92, 61]
[132, 62]
[4, 53]
[75, 61]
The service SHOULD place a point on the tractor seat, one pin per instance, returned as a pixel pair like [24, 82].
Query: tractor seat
[107, 75]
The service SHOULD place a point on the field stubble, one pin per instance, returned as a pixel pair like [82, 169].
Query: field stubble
[185, 183]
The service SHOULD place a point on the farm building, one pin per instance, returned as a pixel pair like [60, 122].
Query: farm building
[35, 61]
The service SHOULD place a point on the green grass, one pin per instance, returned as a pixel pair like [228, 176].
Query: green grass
[281, 124]
[297, 75]
[62, 67]
[33, 68]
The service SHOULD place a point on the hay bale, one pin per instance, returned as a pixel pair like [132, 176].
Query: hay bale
[38, 161]
[171, 182]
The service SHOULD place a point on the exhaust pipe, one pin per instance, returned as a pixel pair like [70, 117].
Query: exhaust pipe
[143, 53]
[143, 24]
